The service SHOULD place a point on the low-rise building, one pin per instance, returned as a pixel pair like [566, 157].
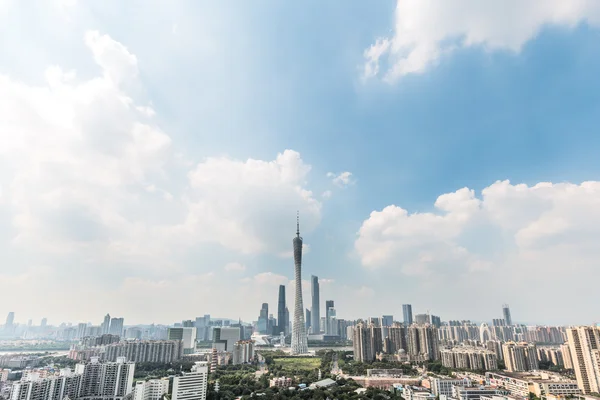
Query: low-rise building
[443, 387]
[280, 382]
[538, 383]
[417, 393]
[475, 393]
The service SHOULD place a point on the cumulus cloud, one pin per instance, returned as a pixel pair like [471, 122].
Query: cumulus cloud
[425, 30]
[249, 206]
[91, 183]
[234, 267]
[342, 179]
[511, 234]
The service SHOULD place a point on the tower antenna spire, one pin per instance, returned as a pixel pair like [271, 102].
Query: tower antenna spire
[298, 223]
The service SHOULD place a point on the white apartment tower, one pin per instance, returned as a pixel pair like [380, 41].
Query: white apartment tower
[111, 380]
[53, 388]
[584, 346]
[192, 385]
[152, 389]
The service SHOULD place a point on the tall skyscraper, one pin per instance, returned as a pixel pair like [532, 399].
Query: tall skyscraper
[315, 313]
[407, 313]
[299, 339]
[584, 346]
[10, 319]
[263, 320]
[308, 319]
[328, 304]
[106, 324]
[44, 322]
[506, 313]
[281, 311]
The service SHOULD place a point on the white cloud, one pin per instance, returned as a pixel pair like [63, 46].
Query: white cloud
[514, 235]
[342, 179]
[326, 194]
[117, 63]
[249, 206]
[91, 183]
[235, 267]
[424, 30]
[270, 279]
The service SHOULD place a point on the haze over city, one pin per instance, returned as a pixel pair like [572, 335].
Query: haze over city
[154, 156]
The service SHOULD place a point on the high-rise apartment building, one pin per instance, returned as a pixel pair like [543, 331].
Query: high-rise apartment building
[158, 351]
[281, 323]
[109, 381]
[44, 322]
[299, 338]
[52, 388]
[520, 356]
[584, 346]
[407, 314]
[396, 338]
[567, 358]
[367, 342]
[473, 358]
[422, 342]
[116, 326]
[506, 314]
[192, 385]
[315, 312]
[224, 338]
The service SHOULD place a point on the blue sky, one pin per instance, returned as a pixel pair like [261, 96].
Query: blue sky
[104, 198]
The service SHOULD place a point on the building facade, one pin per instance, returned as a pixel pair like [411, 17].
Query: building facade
[192, 385]
[520, 356]
[160, 351]
[584, 346]
[315, 312]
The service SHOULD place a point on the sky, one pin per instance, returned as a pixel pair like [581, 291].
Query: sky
[153, 156]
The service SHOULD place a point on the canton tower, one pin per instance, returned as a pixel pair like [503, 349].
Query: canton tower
[299, 340]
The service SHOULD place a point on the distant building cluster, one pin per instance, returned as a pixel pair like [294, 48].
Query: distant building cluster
[93, 380]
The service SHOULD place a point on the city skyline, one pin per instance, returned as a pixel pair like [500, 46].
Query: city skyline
[166, 159]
